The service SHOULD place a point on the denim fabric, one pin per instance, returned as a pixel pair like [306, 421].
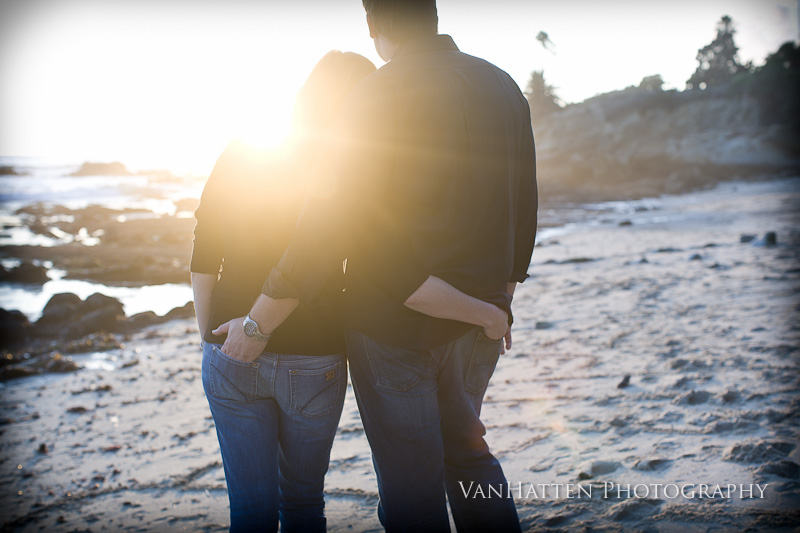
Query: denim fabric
[421, 414]
[276, 419]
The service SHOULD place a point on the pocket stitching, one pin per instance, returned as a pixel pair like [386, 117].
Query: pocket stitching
[473, 365]
[238, 362]
[252, 375]
[293, 374]
[381, 383]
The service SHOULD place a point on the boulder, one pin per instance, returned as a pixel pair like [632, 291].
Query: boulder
[69, 317]
[25, 273]
[60, 308]
[13, 327]
[185, 311]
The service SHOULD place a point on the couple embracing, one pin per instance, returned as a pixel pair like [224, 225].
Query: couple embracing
[394, 230]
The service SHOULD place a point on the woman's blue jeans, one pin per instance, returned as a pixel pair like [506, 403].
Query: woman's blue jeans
[276, 419]
[421, 413]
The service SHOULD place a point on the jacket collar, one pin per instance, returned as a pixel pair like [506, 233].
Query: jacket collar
[425, 44]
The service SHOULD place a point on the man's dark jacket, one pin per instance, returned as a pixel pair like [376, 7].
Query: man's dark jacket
[433, 172]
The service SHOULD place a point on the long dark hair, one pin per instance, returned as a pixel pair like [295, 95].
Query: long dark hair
[325, 90]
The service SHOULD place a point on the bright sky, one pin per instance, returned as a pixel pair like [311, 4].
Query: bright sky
[167, 83]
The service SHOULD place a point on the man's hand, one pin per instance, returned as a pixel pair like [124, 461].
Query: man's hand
[496, 327]
[507, 343]
[237, 344]
[495, 322]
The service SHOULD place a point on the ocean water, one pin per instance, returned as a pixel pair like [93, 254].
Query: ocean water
[49, 182]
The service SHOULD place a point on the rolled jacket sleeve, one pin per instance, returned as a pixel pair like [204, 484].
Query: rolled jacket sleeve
[527, 207]
[316, 248]
[208, 245]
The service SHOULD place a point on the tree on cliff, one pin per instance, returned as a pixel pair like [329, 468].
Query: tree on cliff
[718, 60]
[541, 96]
[652, 83]
[776, 84]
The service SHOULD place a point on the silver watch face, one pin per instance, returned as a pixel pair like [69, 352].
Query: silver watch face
[250, 327]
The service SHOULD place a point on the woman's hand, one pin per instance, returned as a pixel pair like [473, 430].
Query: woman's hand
[237, 344]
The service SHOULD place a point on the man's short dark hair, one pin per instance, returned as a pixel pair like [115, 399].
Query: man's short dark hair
[401, 20]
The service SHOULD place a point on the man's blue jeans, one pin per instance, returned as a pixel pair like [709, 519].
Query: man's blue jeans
[276, 419]
[420, 410]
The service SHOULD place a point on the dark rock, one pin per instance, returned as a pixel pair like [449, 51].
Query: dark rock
[61, 307]
[96, 321]
[745, 238]
[624, 383]
[759, 452]
[149, 318]
[652, 465]
[184, 311]
[67, 316]
[98, 342]
[6, 170]
[13, 327]
[42, 448]
[29, 366]
[695, 397]
[16, 371]
[626, 223]
[101, 302]
[785, 469]
[599, 468]
[142, 320]
[730, 396]
[634, 509]
[696, 257]
[770, 239]
[61, 365]
[25, 273]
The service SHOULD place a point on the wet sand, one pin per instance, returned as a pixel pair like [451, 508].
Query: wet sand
[650, 348]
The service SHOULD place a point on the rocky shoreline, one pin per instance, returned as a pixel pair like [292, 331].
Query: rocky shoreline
[130, 247]
[68, 326]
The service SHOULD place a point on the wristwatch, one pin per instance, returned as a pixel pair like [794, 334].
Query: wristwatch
[252, 331]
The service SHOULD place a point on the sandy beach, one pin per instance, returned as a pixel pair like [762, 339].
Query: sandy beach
[655, 350]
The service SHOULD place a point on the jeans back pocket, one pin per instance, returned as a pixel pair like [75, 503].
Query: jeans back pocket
[316, 392]
[397, 369]
[231, 378]
[482, 363]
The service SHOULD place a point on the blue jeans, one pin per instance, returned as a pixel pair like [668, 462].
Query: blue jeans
[421, 414]
[276, 419]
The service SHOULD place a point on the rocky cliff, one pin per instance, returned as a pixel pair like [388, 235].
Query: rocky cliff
[636, 143]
